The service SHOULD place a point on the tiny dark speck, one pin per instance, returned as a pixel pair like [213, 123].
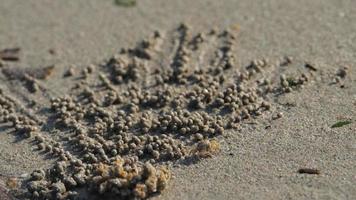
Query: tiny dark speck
[308, 171]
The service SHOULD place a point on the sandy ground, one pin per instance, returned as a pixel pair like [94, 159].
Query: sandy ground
[256, 162]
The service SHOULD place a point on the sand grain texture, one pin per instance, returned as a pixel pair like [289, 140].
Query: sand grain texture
[259, 161]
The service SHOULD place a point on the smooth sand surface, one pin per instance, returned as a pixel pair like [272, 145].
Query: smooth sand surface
[258, 162]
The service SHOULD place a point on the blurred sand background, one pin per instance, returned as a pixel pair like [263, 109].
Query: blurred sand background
[255, 163]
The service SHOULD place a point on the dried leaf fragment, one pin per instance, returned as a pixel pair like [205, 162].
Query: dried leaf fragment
[341, 123]
[125, 3]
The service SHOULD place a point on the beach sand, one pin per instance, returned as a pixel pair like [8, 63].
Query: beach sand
[260, 161]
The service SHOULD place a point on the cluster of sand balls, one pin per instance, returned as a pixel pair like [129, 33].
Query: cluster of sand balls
[22, 124]
[127, 118]
[120, 179]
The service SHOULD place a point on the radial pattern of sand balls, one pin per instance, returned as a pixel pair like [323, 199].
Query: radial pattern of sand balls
[168, 99]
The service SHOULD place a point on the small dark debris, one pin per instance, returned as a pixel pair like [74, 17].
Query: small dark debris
[125, 3]
[342, 72]
[308, 171]
[311, 67]
[341, 123]
[52, 51]
[11, 54]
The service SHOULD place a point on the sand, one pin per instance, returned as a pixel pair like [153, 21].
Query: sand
[255, 162]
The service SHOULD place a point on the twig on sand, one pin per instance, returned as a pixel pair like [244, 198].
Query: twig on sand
[308, 171]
